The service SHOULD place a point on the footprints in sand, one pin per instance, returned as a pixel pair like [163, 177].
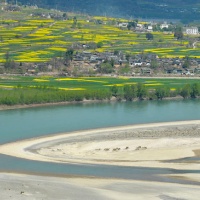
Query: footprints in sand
[122, 149]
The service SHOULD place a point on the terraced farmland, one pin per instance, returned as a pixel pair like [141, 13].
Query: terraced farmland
[38, 40]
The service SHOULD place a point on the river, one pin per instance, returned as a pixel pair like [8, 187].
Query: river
[20, 124]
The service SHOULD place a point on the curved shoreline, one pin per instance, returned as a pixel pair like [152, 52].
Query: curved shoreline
[162, 141]
[12, 107]
[24, 106]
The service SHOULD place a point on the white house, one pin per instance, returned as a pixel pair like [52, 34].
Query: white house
[150, 28]
[133, 64]
[140, 26]
[192, 31]
[165, 25]
[93, 57]
[123, 25]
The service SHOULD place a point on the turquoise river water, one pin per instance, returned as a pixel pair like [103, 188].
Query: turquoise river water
[20, 124]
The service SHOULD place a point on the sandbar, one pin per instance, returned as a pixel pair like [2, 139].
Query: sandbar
[154, 145]
[159, 145]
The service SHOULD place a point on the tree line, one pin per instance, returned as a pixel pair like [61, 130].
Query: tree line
[20, 96]
[139, 91]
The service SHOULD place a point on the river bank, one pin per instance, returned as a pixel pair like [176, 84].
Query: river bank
[113, 99]
[12, 107]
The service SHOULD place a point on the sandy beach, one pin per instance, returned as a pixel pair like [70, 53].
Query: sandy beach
[154, 145]
[31, 187]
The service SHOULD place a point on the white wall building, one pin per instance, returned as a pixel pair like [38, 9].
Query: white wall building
[140, 25]
[192, 31]
[150, 28]
[123, 25]
[165, 25]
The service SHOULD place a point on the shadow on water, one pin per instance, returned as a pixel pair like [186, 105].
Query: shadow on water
[184, 160]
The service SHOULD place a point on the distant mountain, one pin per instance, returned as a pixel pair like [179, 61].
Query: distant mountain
[161, 9]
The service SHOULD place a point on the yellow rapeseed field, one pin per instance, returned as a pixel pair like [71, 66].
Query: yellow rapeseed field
[39, 39]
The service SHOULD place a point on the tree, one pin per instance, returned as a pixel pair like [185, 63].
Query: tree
[156, 28]
[116, 52]
[195, 90]
[141, 91]
[74, 22]
[64, 15]
[131, 25]
[185, 91]
[149, 36]
[178, 33]
[125, 70]
[99, 44]
[8, 60]
[79, 25]
[134, 91]
[154, 63]
[114, 90]
[127, 93]
[162, 92]
[127, 56]
[106, 68]
[112, 62]
[69, 56]
[130, 92]
[9, 63]
[186, 63]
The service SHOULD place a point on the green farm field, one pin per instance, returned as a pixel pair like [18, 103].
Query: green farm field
[90, 83]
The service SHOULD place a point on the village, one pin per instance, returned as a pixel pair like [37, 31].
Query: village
[141, 64]
[85, 63]
[86, 60]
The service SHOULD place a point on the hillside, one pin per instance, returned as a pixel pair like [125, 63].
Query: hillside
[28, 38]
[186, 10]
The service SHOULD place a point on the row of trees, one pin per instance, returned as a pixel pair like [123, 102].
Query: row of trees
[192, 91]
[128, 92]
[139, 91]
[20, 96]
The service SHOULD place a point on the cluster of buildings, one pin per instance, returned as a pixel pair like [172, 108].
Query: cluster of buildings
[87, 63]
[141, 64]
[163, 26]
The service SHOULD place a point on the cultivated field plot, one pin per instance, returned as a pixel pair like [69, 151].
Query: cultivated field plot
[89, 83]
[34, 39]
